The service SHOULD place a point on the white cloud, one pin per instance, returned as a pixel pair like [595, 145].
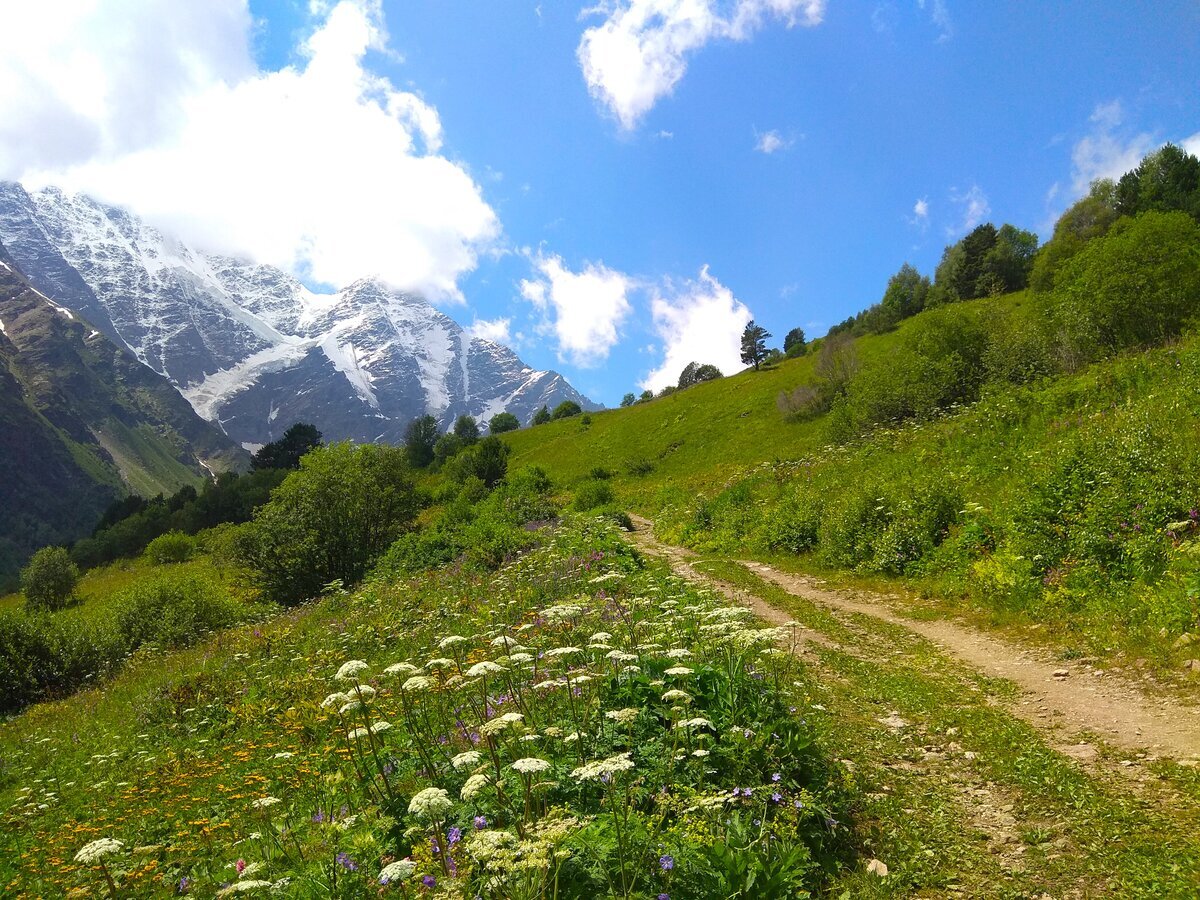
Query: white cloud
[638, 54]
[698, 321]
[1191, 144]
[583, 310]
[494, 330]
[322, 167]
[771, 142]
[975, 208]
[940, 14]
[921, 209]
[1104, 152]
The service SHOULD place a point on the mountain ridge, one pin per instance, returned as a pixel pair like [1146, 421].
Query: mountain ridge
[250, 346]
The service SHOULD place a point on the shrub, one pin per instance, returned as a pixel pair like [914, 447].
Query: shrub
[172, 547]
[330, 520]
[566, 410]
[486, 460]
[49, 578]
[794, 523]
[600, 473]
[638, 465]
[172, 611]
[502, 422]
[591, 494]
[417, 552]
[42, 657]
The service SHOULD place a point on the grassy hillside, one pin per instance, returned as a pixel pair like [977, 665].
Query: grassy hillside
[1068, 501]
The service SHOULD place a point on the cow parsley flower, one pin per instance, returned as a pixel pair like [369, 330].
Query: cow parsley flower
[335, 699]
[349, 670]
[625, 716]
[96, 850]
[400, 870]
[674, 695]
[439, 663]
[431, 803]
[603, 767]
[678, 653]
[264, 802]
[241, 887]
[451, 641]
[563, 651]
[530, 765]
[602, 637]
[473, 786]
[380, 727]
[469, 758]
[400, 668]
[520, 658]
[621, 656]
[500, 723]
[349, 707]
[359, 733]
[364, 691]
[418, 683]
[486, 667]
[678, 670]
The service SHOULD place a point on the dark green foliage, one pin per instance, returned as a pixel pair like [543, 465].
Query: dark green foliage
[754, 344]
[600, 473]
[837, 364]
[487, 460]
[447, 446]
[285, 453]
[794, 343]
[1167, 180]
[591, 494]
[502, 422]
[420, 437]
[542, 416]
[172, 547]
[628, 400]
[466, 429]
[231, 498]
[639, 465]
[49, 578]
[645, 395]
[566, 410]
[174, 610]
[330, 520]
[694, 373]
[985, 263]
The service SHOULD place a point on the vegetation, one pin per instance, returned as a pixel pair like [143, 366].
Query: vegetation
[420, 441]
[285, 453]
[49, 578]
[566, 410]
[754, 344]
[502, 422]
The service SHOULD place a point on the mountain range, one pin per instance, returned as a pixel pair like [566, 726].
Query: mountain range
[250, 347]
[82, 422]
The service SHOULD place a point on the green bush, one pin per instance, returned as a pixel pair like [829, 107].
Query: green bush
[417, 552]
[43, 657]
[330, 520]
[174, 610]
[591, 494]
[639, 465]
[566, 410]
[49, 578]
[793, 524]
[172, 547]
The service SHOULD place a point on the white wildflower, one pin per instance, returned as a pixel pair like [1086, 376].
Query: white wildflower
[674, 695]
[473, 786]
[400, 870]
[625, 716]
[563, 651]
[698, 722]
[359, 733]
[241, 887]
[520, 658]
[530, 765]
[349, 707]
[700, 754]
[469, 758]
[504, 641]
[500, 723]
[335, 699]
[96, 850]
[481, 669]
[400, 668]
[599, 768]
[264, 802]
[440, 663]
[621, 656]
[602, 637]
[431, 803]
[380, 727]
[678, 653]
[349, 670]
[284, 754]
[678, 670]
[451, 641]
[418, 683]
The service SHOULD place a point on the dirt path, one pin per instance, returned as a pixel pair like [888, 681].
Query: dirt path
[1074, 698]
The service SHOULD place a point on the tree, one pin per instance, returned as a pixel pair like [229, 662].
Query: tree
[49, 578]
[502, 422]
[906, 295]
[1165, 181]
[486, 460]
[646, 395]
[754, 343]
[285, 453]
[566, 409]
[542, 416]
[419, 440]
[629, 399]
[330, 519]
[466, 429]
[446, 447]
[1090, 217]
[793, 342]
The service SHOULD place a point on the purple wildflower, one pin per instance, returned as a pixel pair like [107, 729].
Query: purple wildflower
[346, 862]
[481, 823]
[453, 836]
[429, 881]
[183, 884]
[776, 777]
[776, 797]
[666, 862]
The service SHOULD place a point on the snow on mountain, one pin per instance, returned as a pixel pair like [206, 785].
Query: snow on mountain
[251, 347]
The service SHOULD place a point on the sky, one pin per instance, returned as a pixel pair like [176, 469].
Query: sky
[612, 188]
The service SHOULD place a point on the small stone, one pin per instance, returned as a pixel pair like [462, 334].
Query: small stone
[1061, 673]
[1183, 640]
[1192, 665]
[875, 867]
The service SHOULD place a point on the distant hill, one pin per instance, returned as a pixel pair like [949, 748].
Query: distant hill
[82, 422]
[251, 347]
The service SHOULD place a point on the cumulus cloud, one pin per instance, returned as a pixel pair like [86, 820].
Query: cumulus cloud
[323, 167]
[639, 53]
[1105, 152]
[495, 330]
[975, 208]
[771, 142]
[582, 310]
[1192, 144]
[697, 321]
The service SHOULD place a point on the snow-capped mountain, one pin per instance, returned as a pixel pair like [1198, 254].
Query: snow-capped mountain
[251, 347]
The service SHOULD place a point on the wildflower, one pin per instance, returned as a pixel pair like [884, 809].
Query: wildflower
[400, 668]
[621, 656]
[469, 758]
[625, 716]
[482, 669]
[776, 797]
[431, 803]
[580, 679]
[500, 723]
[678, 670]
[349, 707]
[666, 863]
[480, 823]
[183, 884]
[347, 862]
[429, 881]
[359, 733]
[504, 641]
[418, 683]
[776, 777]
[240, 887]
[364, 691]
[698, 722]
[473, 786]
[380, 727]
[663, 897]
[673, 695]
[240, 866]
[285, 754]
[520, 658]
[96, 850]
[264, 802]
[400, 870]
[601, 637]
[335, 699]
[451, 641]
[349, 670]
[439, 663]
[678, 653]
[605, 767]
[530, 765]
[700, 753]
[563, 651]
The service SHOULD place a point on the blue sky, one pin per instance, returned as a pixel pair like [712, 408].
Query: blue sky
[619, 227]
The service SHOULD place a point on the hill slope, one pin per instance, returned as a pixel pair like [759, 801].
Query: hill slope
[81, 423]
